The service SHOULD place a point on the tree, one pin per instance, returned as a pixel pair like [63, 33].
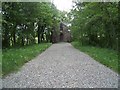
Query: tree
[23, 22]
[96, 23]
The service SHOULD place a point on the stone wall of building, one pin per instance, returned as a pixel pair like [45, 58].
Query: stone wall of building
[63, 35]
[66, 33]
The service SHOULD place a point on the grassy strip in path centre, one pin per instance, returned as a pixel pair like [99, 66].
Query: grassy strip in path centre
[103, 55]
[13, 59]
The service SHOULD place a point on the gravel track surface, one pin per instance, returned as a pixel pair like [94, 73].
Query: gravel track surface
[62, 66]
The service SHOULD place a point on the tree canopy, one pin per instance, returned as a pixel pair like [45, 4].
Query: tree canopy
[24, 22]
[95, 23]
[92, 23]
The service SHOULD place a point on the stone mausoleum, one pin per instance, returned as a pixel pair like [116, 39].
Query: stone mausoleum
[62, 35]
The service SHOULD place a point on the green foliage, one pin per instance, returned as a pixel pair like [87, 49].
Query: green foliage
[95, 23]
[105, 56]
[23, 22]
[14, 58]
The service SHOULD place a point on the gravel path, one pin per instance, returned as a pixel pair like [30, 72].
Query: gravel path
[62, 66]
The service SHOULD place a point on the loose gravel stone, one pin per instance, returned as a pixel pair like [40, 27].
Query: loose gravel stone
[62, 66]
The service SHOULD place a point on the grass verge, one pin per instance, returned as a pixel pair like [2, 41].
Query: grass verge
[103, 55]
[13, 59]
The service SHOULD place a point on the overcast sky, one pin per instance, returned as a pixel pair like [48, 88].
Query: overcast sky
[65, 5]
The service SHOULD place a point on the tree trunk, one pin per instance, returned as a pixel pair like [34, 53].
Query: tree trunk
[14, 38]
[6, 40]
[22, 41]
[38, 34]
